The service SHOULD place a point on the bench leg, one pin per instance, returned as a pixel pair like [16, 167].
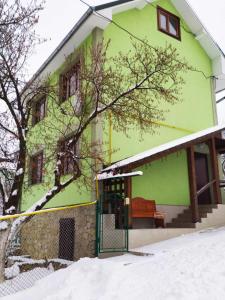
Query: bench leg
[159, 223]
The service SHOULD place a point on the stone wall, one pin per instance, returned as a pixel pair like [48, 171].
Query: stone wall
[40, 236]
[3, 238]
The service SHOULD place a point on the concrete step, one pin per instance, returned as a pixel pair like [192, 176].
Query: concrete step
[143, 237]
[181, 225]
[184, 219]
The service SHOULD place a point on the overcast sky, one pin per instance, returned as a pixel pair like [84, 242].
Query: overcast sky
[58, 17]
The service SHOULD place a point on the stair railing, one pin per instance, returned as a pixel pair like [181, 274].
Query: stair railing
[205, 187]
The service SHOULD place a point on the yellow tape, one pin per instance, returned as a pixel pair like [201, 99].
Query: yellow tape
[39, 212]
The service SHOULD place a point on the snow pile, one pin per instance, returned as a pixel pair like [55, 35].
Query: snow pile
[188, 267]
[19, 172]
[30, 261]
[14, 193]
[21, 282]
[12, 208]
[3, 225]
[12, 272]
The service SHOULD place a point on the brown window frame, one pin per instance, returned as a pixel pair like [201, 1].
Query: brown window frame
[36, 174]
[66, 167]
[168, 15]
[36, 111]
[65, 82]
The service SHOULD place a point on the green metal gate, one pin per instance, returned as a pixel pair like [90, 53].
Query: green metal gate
[112, 220]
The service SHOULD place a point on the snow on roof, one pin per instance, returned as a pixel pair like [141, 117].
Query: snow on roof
[173, 144]
[105, 175]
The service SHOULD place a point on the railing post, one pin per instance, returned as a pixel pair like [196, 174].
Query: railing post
[97, 237]
[215, 171]
[128, 194]
[192, 184]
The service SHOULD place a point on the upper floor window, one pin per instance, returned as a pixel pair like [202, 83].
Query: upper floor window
[168, 23]
[69, 82]
[67, 161]
[36, 168]
[39, 110]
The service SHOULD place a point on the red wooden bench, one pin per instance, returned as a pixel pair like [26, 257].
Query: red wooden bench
[141, 208]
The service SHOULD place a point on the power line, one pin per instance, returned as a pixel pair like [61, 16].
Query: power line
[138, 38]
[220, 100]
[116, 24]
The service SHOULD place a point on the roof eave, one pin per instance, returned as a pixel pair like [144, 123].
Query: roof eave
[85, 17]
[76, 27]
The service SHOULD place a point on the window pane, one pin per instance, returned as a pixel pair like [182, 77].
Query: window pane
[39, 111]
[39, 168]
[77, 104]
[173, 26]
[36, 168]
[67, 88]
[72, 84]
[67, 159]
[162, 20]
[42, 110]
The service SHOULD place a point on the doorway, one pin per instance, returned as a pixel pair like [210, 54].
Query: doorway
[112, 217]
[66, 238]
[202, 177]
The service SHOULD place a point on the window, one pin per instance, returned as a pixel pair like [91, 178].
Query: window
[39, 110]
[69, 82]
[36, 168]
[68, 164]
[168, 23]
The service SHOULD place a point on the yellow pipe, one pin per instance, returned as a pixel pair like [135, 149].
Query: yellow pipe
[172, 126]
[97, 188]
[153, 122]
[39, 212]
[96, 181]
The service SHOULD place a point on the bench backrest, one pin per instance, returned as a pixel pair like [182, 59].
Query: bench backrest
[141, 208]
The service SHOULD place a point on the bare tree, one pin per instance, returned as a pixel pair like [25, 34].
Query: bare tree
[130, 85]
[17, 41]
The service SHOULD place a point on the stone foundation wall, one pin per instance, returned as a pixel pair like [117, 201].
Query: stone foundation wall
[3, 238]
[40, 236]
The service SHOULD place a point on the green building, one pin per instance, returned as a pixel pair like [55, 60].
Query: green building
[178, 164]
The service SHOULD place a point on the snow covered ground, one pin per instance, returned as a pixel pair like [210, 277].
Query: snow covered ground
[22, 281]
[188, 267]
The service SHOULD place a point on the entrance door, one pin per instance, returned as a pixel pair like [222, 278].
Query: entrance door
[202, 177]
[114, 195]
[112, 217]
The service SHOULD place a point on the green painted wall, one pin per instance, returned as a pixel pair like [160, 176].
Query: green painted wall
[45, 136]
[195, 112]
[165, 181]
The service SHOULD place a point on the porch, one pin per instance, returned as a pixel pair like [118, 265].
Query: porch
[197, 177]
[198, 168]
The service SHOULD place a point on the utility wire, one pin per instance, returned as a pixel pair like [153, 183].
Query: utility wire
[138, 38]
[220, 100]
[116, 24]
